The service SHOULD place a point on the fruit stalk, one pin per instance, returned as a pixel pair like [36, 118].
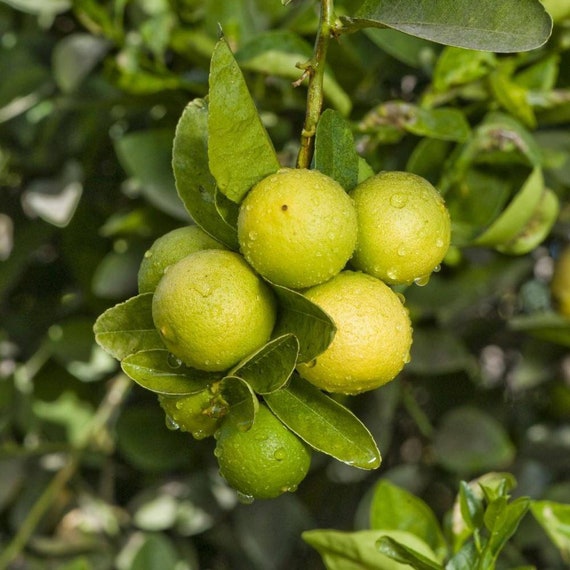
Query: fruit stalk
[314, 69]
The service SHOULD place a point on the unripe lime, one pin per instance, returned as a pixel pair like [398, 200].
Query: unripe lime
[263, 462]
[212, 310]
[297, 227]
[373, 337]
[167, 250]
[404, 229]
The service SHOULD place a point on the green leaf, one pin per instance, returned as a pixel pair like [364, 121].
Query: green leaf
[278, 53]
[335, 152]
[194, 182]
[505, 524]
[270, 368]
[471, 506]
[464, 559]
[512, 97]
[537, 228]
[240, 152]
[159, 371]
[402, 553]
[548, 326]
[515, 216]
[358, 551]
[128, 327]
[313, 328]
[155, 551]
[324, 424]
[506, 26]
[242, 401]
[456, 67]
[146, 156]
[394, 508]
[555, 520]
[469, 440]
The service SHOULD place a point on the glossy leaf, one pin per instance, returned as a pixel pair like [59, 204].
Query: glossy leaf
[240, 152]
[394, 508]
[517, 213]
[270, 368]
[242, 401]
[555, 520]
[335, 153]
[456, 67]
[512, 97]
[324, 424]
[471, 506]
[158, 371]
[507, 26]
[146, 156]
[405, 555]
[194, 182]
[548, 326]
[128, 327]
[358, 551]
[313, 328]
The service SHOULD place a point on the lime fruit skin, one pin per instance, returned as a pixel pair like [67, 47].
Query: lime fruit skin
[404, 228]
[297, 227]
[263, 462]
[167, 250]
[197, 413]
[373, 337]
[212, 310]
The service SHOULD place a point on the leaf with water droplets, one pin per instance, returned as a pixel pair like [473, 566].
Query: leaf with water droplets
[324, 424]
[127, 327]
[270, 368]
[158, 371]
[242, 401]
[313, 328]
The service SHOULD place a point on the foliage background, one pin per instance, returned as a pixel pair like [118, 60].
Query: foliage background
[90, 95]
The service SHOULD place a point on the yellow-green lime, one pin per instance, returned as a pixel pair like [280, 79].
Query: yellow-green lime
[373, 337]
[168, 249]
[212, 310]
[297, 227]
[199, 414]
[404, 229]
[263, 462]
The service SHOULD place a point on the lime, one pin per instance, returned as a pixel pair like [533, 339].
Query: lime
[168, 249]
[297, 227]
[263, 462]
[373, 337]
[212, 310]
[404, 229]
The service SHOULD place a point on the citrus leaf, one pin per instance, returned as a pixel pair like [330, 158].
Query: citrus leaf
[515, 216]
[402, 553]
[537, 229]
[393, 508]
[457, 66]
[357, 550]
[194, 182]
[270, 368]
[507, 26]
[127, 328]
[324, 424]
[512, 97]
[335, 153]
[158, 371]
[240, 152]
[242, 401]
[548, 326]
[555, 520]
[313, 328]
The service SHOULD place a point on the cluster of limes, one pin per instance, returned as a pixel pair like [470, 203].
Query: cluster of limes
[298, 229]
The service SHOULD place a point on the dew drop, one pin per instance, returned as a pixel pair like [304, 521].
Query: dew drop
[148, 253]
[422, 280]
[290, 489]
[199, 434]
[392, 273]
[407, 358]
[244, 498]
[402, 250]
[173, 361]
[437, 269]
[439, 242]
[398, 200]
[170, 423]
[312, 363]
[252, 236]
[280, 454]
[167, 333]
[401, 297]
[217, 452]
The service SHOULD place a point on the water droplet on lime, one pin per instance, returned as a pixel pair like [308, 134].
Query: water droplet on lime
[437, 268]
[252, 236]
[173, 361]
[280, 454]
[398, 200]
[402, 250]
[392, 273]
[148, 253]
[439, 242]
[407, 358]
[244, 498]
[422, 280]
[167, 333]
[170, 423]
